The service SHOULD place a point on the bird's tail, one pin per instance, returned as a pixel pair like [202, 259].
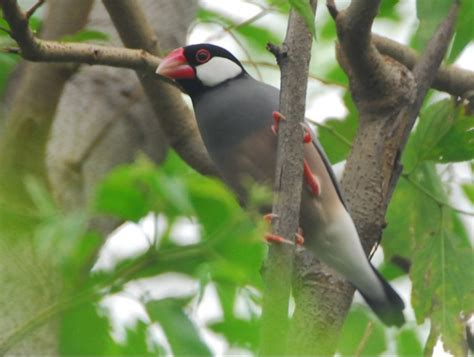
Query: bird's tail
[390, 309]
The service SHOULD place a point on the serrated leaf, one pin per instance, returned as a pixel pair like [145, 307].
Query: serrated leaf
[303, 8]
[180, 331]
[442, 268]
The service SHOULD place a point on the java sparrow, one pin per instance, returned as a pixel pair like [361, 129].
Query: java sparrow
[234, 116]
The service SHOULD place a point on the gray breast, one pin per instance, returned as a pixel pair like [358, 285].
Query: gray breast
[229, 113]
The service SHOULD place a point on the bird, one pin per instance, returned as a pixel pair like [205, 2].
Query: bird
[238, 118]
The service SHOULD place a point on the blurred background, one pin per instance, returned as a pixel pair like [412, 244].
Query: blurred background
[149, 257]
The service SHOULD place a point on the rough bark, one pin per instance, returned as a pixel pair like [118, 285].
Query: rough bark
[388, 97]
[293, 57]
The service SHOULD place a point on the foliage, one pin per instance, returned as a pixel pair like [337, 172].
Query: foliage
[425, 229]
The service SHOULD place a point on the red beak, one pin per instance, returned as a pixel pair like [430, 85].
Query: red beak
[175, 66]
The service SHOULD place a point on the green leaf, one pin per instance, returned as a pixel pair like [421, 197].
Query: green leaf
[238, 332]
[84, 332]
[131, 191]
[336, 148]
[464, 30]
[136, 342]
[362, 333]
[430, 14]
[469, 191]
[303, 8]
[408, 343]
[443, 134]
[180, 331]
[441, 273]
[86, 36]
[388, 9]
[458, 142]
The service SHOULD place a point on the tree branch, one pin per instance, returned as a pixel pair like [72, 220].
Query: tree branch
[175, 117]
[182, 133]
[450, 79]
[293, 57]
[388, 97]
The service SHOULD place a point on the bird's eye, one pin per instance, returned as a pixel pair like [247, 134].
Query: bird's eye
[202, 56]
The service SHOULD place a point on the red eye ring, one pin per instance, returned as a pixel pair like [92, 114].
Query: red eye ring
[203, 55]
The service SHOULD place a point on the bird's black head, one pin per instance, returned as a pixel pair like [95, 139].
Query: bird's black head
[200, 67]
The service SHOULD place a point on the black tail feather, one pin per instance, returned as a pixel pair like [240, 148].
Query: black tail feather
[390, 310]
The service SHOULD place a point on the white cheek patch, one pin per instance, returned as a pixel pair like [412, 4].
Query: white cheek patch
[217, 70]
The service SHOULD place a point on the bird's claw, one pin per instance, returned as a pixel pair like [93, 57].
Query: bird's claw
[273, 238]
[277, 117]
[311, 180]
[307, 138]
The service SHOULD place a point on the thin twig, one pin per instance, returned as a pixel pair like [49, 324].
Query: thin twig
[334, 132]
[235, 26]
[247, 54]
[33, 9]
[365, 339]
[310, 75]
